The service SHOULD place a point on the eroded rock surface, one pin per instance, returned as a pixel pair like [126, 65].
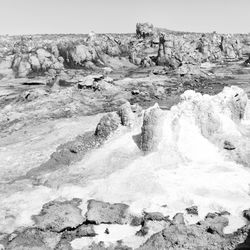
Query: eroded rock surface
[57, 216]
[103, 212]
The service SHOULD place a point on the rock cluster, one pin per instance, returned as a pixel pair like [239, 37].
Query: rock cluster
[36, 61]
[59, 223]
[174, 51]
[144, 30]
[75, 150]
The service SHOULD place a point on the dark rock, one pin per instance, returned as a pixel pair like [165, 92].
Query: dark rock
[106, 231]
[135, 92]
[79, 232]
[144, 30]
[143, 231]
[57, 216]
[228, 145]
[192, 210]
[184, 237]
[215, 223]
[108, 124]
[33, 238]
[104, 212]
[136, 221]
[224, 213]
[246, 214]
[157, 216]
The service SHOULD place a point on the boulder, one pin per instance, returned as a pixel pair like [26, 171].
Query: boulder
[215, 223]
[246, 214]
[108, 124]
[178, 219]
[126, 114]
[192, 210]
[33, 239]
[57, 216]
[154, 216]
[179, 236]
[144, 30]
[104, 212]
[79, 232]
[151, 131]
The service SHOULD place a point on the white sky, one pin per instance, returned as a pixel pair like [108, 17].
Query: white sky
[121, 16]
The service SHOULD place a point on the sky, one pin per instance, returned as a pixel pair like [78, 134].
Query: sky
[121, 16]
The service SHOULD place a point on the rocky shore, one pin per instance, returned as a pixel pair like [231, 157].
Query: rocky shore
[125, 141]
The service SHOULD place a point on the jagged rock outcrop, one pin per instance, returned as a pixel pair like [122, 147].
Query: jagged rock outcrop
[107, 125]
[144, 30]
[174, 51]
[77, 55]
[192, 210]
[127, 115]
[151, 131]
[179, 236]
[35, 61]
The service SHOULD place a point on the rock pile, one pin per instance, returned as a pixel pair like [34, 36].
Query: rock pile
[36, 61]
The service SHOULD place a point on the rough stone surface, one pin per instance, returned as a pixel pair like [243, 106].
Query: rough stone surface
[126, 114]
[151, 130]
[184, 237]
[108, 124]
[57, 216]
[33, 239]
[192, 210]
[154, 216]
[246, 214]
[178, 219]
[104, 212]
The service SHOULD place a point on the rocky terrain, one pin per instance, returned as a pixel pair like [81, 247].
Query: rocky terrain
[125, 141]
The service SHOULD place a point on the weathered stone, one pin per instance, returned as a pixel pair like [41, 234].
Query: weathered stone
[126, 114]
[154, 216]
[246, 214]
[33, 239]
[104, 212]
[57, 216]
[80, 231]
[228, 145]
[215, 223]
[178, 219]
[151, 131]
[108, 124]
[184, 237]
[192, 210]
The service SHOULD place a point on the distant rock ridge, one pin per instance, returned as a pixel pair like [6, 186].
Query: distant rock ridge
[149, 47]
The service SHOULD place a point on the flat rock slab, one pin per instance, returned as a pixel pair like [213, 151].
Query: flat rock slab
[104, 212]
[57, 216]
[33, 239]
